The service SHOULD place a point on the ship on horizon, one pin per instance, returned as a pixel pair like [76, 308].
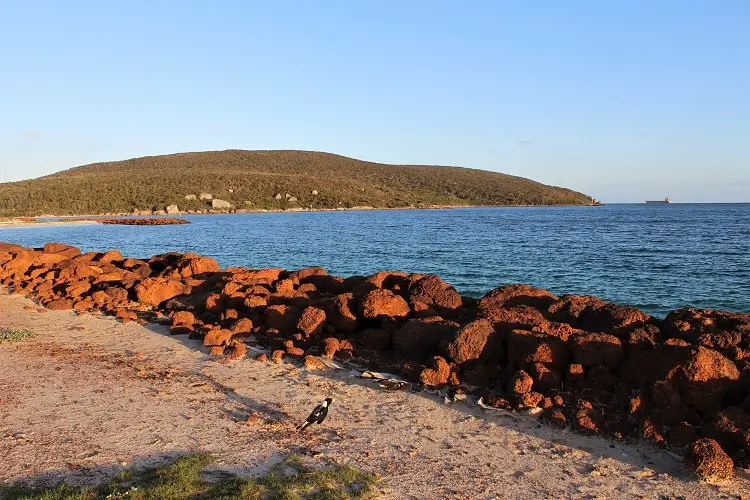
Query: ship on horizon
[660, 202]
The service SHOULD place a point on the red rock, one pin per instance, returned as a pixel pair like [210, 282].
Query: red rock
[472, 340]
[384, 304]
[19, 263]
[197, 266]
[311, 321]
[719, 330]
[77, 289]
[307, 273]
[255, 302]
[263, 357]
[731, 428]
[597, 349]
[308, 289]
[83, 304]
[520, 383]
[704, 377]
[297, 352]
[437, 373]
[595, 315]
[575, 373]
[665, 395]
[529, 399]
[651, 432]
[556, 418]
[237, 350]
[126, 316]
[59, 304]
[437, 294]
[154, 291]
[390, 280]
[217, 350]
[313, 363]
[116, 293]
[111, 256]
[587, 421]
[281, 317]
[375, 339]
[49, 259]
[243, 326]
[528, 347]
[183, 318]
[325, 283]
[419, 338]
[330, 346]
[681, 435]
[340, 314]
[709, 462]
[545, 378]
[511, 296]
[229, 316]
[284, 288]
[214, 303]
[65, 250]
[277, 356]
[218, 336]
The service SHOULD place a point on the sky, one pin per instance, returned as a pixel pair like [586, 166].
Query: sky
[624, 100]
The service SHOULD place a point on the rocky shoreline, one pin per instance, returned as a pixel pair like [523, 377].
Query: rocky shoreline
[579, 362]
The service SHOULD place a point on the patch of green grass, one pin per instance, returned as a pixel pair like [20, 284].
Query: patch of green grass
[182, 479]
[14, 335]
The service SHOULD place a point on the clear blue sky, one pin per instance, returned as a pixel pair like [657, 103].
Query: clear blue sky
[621, 99]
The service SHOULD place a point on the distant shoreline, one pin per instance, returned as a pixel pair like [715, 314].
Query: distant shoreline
[75, 219]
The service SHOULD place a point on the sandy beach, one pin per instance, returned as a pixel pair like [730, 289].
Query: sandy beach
[88, 395]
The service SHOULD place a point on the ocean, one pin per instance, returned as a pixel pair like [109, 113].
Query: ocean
[655, 257]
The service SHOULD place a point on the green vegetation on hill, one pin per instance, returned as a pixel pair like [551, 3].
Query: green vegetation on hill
[255, 177]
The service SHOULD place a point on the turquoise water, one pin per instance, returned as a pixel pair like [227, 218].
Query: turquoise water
[657, 257]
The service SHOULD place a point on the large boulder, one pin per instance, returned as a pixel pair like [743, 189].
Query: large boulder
[420, 338]
[155, 291]
[509, 296]
[731, 428]
[704, 377]
[719, 330]
[60, 249]
[595, 315]
[596, 349]
[375, 339]
[311, 321]
[340, 314]
[527, 347]
[220, 204]
[281, 317]
[382, 303]
[437, 372]
[708, 461]
[18, 263]
[434, 293]
[473, 341]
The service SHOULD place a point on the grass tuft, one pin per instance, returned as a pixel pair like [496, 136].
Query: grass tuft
[182, 479]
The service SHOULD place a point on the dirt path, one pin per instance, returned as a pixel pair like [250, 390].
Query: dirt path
[88, 395]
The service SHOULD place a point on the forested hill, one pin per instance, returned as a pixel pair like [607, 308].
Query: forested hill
[254, 180]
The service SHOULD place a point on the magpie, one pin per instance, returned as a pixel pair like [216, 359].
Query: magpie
[317, 416]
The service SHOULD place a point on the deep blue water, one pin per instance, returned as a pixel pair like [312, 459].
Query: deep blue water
[657, 257]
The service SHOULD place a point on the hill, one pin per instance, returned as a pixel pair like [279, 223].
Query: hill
[252, 179]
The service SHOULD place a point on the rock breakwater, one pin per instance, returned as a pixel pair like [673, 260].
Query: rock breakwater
[583, 363]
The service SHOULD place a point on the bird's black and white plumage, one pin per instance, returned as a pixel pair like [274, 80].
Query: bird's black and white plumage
[317, 416]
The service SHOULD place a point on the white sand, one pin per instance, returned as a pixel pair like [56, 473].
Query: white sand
[88, 395]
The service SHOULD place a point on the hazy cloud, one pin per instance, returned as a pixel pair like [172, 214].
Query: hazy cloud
[525, 143]
[32, 134]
